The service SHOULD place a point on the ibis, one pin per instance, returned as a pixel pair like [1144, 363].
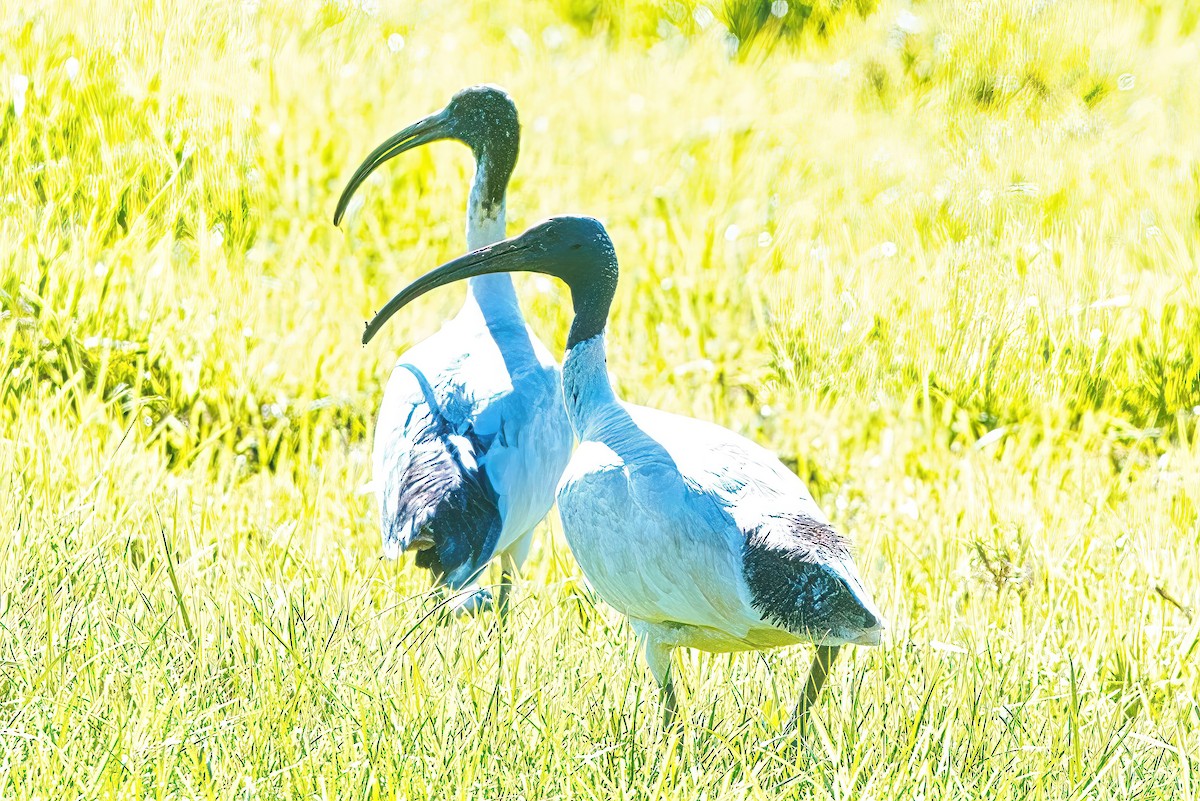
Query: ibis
[702, 538]
[472, 434]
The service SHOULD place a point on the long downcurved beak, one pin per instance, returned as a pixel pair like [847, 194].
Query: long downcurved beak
[503, 257]
[430, 129]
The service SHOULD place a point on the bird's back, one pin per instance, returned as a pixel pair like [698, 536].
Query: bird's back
[468, 447]
[700, 528]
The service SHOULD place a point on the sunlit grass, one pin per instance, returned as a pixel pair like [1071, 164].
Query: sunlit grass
[942, 258]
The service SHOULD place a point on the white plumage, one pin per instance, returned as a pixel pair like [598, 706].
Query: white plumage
[690, 496]
[487, 393]
[702, 538]
[472, 434]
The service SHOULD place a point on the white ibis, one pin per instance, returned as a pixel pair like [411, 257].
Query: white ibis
[472, 434]
[702, 538]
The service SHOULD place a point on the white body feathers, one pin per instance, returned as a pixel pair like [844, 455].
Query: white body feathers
[498, 392]
[658, 508]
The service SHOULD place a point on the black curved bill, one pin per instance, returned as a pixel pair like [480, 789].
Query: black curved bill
[430, 129]
[502, 257]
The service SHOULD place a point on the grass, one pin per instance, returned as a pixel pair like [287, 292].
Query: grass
[941, 257]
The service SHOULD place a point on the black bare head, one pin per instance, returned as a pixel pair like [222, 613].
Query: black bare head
[483, 118]
[576, 250]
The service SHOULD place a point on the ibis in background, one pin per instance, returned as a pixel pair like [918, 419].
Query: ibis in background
[700, 537]
[472, 434]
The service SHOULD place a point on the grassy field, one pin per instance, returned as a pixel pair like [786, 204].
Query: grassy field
[942, 257]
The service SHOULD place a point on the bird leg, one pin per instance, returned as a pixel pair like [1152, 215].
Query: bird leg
[670, 704]
[510, 564]
[503, 593]
[822, 662]
[658, 657]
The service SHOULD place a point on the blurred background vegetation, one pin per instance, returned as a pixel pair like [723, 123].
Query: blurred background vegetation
[1003, 198]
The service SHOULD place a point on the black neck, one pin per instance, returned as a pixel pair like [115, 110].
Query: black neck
[592, 292]
[494, 162]
[587, 324]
